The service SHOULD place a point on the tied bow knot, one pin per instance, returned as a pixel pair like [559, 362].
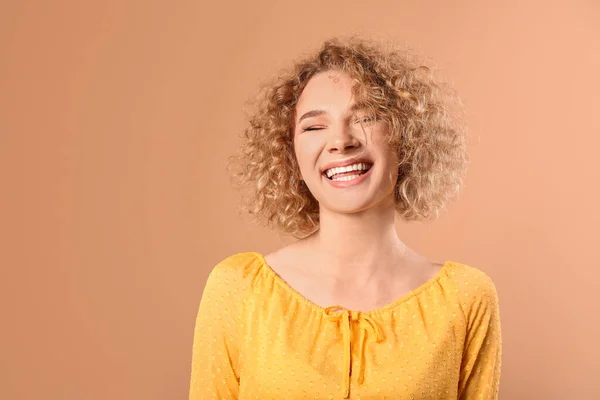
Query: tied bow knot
[347, 318]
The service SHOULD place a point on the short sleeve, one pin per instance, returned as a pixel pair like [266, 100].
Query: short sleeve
[480, 367]
[215, 352]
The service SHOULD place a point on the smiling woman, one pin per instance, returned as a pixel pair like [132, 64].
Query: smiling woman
[388, 84]
[337, 148]
[342, 135]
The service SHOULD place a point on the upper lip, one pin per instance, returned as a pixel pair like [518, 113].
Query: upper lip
[343, 163]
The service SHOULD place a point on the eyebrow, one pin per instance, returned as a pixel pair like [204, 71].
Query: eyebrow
[310, 114]
[315, 113]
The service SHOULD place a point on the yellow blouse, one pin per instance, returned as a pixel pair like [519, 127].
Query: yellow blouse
[258, 338]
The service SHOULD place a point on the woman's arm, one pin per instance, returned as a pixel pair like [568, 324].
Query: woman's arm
[480, 368]
[215, 349]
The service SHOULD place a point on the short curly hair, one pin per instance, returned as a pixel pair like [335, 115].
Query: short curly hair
[421, 114]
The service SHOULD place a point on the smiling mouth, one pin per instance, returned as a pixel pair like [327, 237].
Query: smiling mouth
[347, 173]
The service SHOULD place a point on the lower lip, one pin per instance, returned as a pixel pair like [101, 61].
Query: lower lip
[353, 182]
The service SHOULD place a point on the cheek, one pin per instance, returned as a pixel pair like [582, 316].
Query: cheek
[378, 134]
[380, 142]
[307, 153]
[389, 158]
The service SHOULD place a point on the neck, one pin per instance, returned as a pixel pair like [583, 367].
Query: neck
[357, 245]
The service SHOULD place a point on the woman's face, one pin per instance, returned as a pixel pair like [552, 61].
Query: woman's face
[332, 131]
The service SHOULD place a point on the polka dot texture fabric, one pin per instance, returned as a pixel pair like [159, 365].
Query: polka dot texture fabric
[257, 338]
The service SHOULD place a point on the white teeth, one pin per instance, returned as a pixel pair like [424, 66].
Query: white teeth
[354, 167]
[345, 178]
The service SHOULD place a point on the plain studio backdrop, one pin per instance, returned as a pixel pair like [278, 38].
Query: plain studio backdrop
[116, 119]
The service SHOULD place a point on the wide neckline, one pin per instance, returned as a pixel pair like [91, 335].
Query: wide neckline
[377, 311]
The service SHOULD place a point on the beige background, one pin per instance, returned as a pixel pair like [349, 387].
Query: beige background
[116, 118]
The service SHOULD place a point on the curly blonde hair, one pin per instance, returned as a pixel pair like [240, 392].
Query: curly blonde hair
[419, 111]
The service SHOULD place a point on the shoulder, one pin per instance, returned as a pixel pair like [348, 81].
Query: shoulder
[470, 281]
[237, 263]
[474, 289]
[234, 271]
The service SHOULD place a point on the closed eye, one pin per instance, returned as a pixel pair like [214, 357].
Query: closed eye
[312, 128]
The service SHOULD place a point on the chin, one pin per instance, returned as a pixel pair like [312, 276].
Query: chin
[349, 207]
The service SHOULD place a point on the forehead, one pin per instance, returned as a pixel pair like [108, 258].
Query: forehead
[327, 90]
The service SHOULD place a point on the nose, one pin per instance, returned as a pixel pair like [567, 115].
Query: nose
[342, 140]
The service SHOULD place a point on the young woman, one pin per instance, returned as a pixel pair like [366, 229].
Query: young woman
[338, 146]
